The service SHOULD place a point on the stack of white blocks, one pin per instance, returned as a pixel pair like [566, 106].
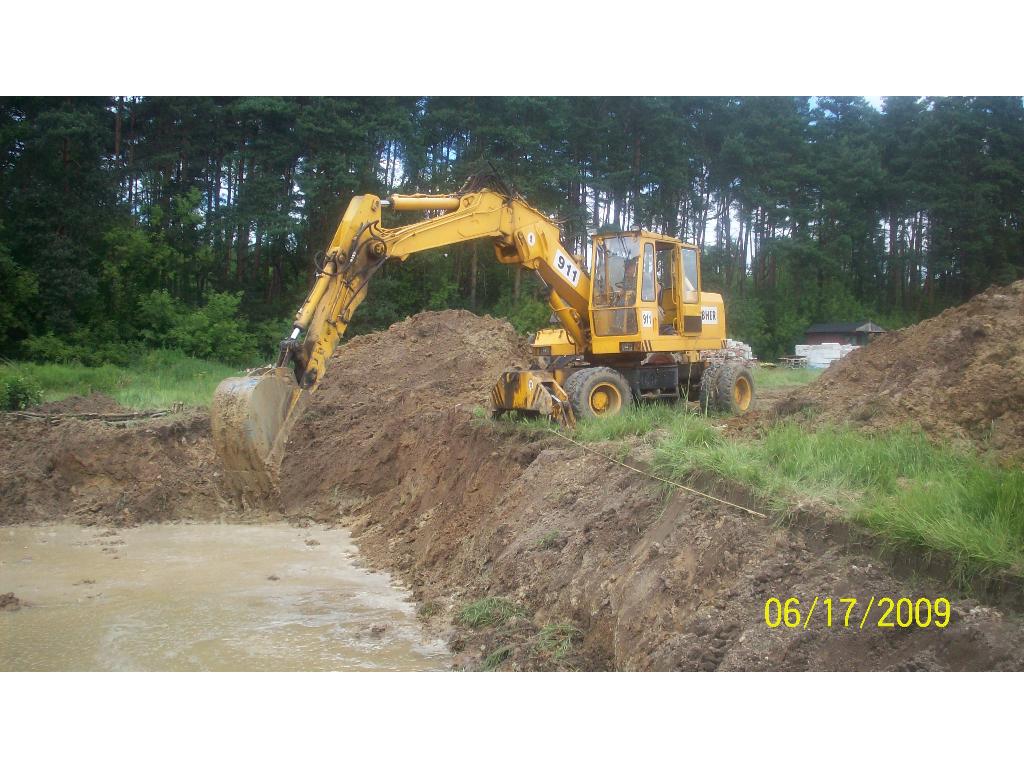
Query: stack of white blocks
[742, 350]
[823, 355]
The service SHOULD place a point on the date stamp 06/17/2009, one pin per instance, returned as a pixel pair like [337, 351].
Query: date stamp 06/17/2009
[882, 612]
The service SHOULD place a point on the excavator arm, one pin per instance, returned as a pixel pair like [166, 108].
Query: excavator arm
[252, 415]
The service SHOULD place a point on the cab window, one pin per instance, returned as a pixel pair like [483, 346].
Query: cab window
[615, 271]
[647, 284]
[691, 285]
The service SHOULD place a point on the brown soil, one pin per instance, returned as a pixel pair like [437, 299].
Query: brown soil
[100, 474]
[959, 375]
[94, 402]
[378, 412]
[607, 569]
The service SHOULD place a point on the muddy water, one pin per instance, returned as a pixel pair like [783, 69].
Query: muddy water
[202, 597]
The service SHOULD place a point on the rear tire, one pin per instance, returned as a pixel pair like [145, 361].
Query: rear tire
[598, 392]
[734, 389]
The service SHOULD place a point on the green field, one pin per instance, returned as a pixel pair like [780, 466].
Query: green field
[777, 378]
[159, 379]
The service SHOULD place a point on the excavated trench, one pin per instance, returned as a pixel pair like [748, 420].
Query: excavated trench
[598, 567]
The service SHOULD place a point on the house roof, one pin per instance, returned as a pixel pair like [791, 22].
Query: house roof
[861, 327]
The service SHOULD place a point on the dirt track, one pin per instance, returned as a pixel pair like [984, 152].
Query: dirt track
[459, 508]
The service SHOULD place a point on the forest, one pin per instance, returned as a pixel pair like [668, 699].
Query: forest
[193, 223]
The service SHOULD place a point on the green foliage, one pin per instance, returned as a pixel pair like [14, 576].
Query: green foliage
[19, 392]
[526, 315]
[809, 210]
[630, 422]
[156, 379]
[49, 349]
[20, 287]
[214, 331]
[489, 612]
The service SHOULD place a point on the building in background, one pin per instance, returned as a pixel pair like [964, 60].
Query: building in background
[855, 334]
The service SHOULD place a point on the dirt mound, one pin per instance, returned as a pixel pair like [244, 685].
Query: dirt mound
[91, 472]
[959, 375]
[94, 402]
[377, 412]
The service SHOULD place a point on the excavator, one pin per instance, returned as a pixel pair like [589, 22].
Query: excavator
[634, 323]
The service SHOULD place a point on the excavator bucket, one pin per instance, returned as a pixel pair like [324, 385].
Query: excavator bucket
[250, 420]
[532, 393]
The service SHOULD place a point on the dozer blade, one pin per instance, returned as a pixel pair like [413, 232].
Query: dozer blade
[250, 420]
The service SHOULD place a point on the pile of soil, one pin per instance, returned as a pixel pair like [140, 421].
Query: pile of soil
[380, 412]
[91, 472]
[94, 402]
[958, 375]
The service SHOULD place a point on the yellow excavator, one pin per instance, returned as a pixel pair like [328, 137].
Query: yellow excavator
[634, 322]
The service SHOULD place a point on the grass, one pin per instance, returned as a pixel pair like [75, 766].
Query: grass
[631, 422]
[160, 378]
[489, 612]
[495, 658]
[778, 378]
[558, 639]
[909, 490]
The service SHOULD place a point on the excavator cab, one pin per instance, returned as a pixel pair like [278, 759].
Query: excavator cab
[646, 296]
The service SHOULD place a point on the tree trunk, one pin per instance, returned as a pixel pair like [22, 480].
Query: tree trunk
[472, 275]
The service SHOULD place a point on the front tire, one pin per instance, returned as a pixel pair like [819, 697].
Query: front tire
[598, 392]
[734, 389]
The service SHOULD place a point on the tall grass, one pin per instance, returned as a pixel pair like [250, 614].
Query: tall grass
[899, 484]
[489, 612]
[636, 421]
[158, 379]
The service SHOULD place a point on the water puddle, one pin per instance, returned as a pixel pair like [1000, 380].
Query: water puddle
[202, 597]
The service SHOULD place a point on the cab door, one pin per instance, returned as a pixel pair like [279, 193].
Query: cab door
[689, 290]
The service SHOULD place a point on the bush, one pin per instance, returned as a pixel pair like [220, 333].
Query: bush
[214, 331]
[526, 315]
[49, 349]
[20, 392]
[93, 347]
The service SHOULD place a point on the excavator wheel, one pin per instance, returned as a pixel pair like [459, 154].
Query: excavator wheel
[733, 389]
[598, 392]
[708, 390]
